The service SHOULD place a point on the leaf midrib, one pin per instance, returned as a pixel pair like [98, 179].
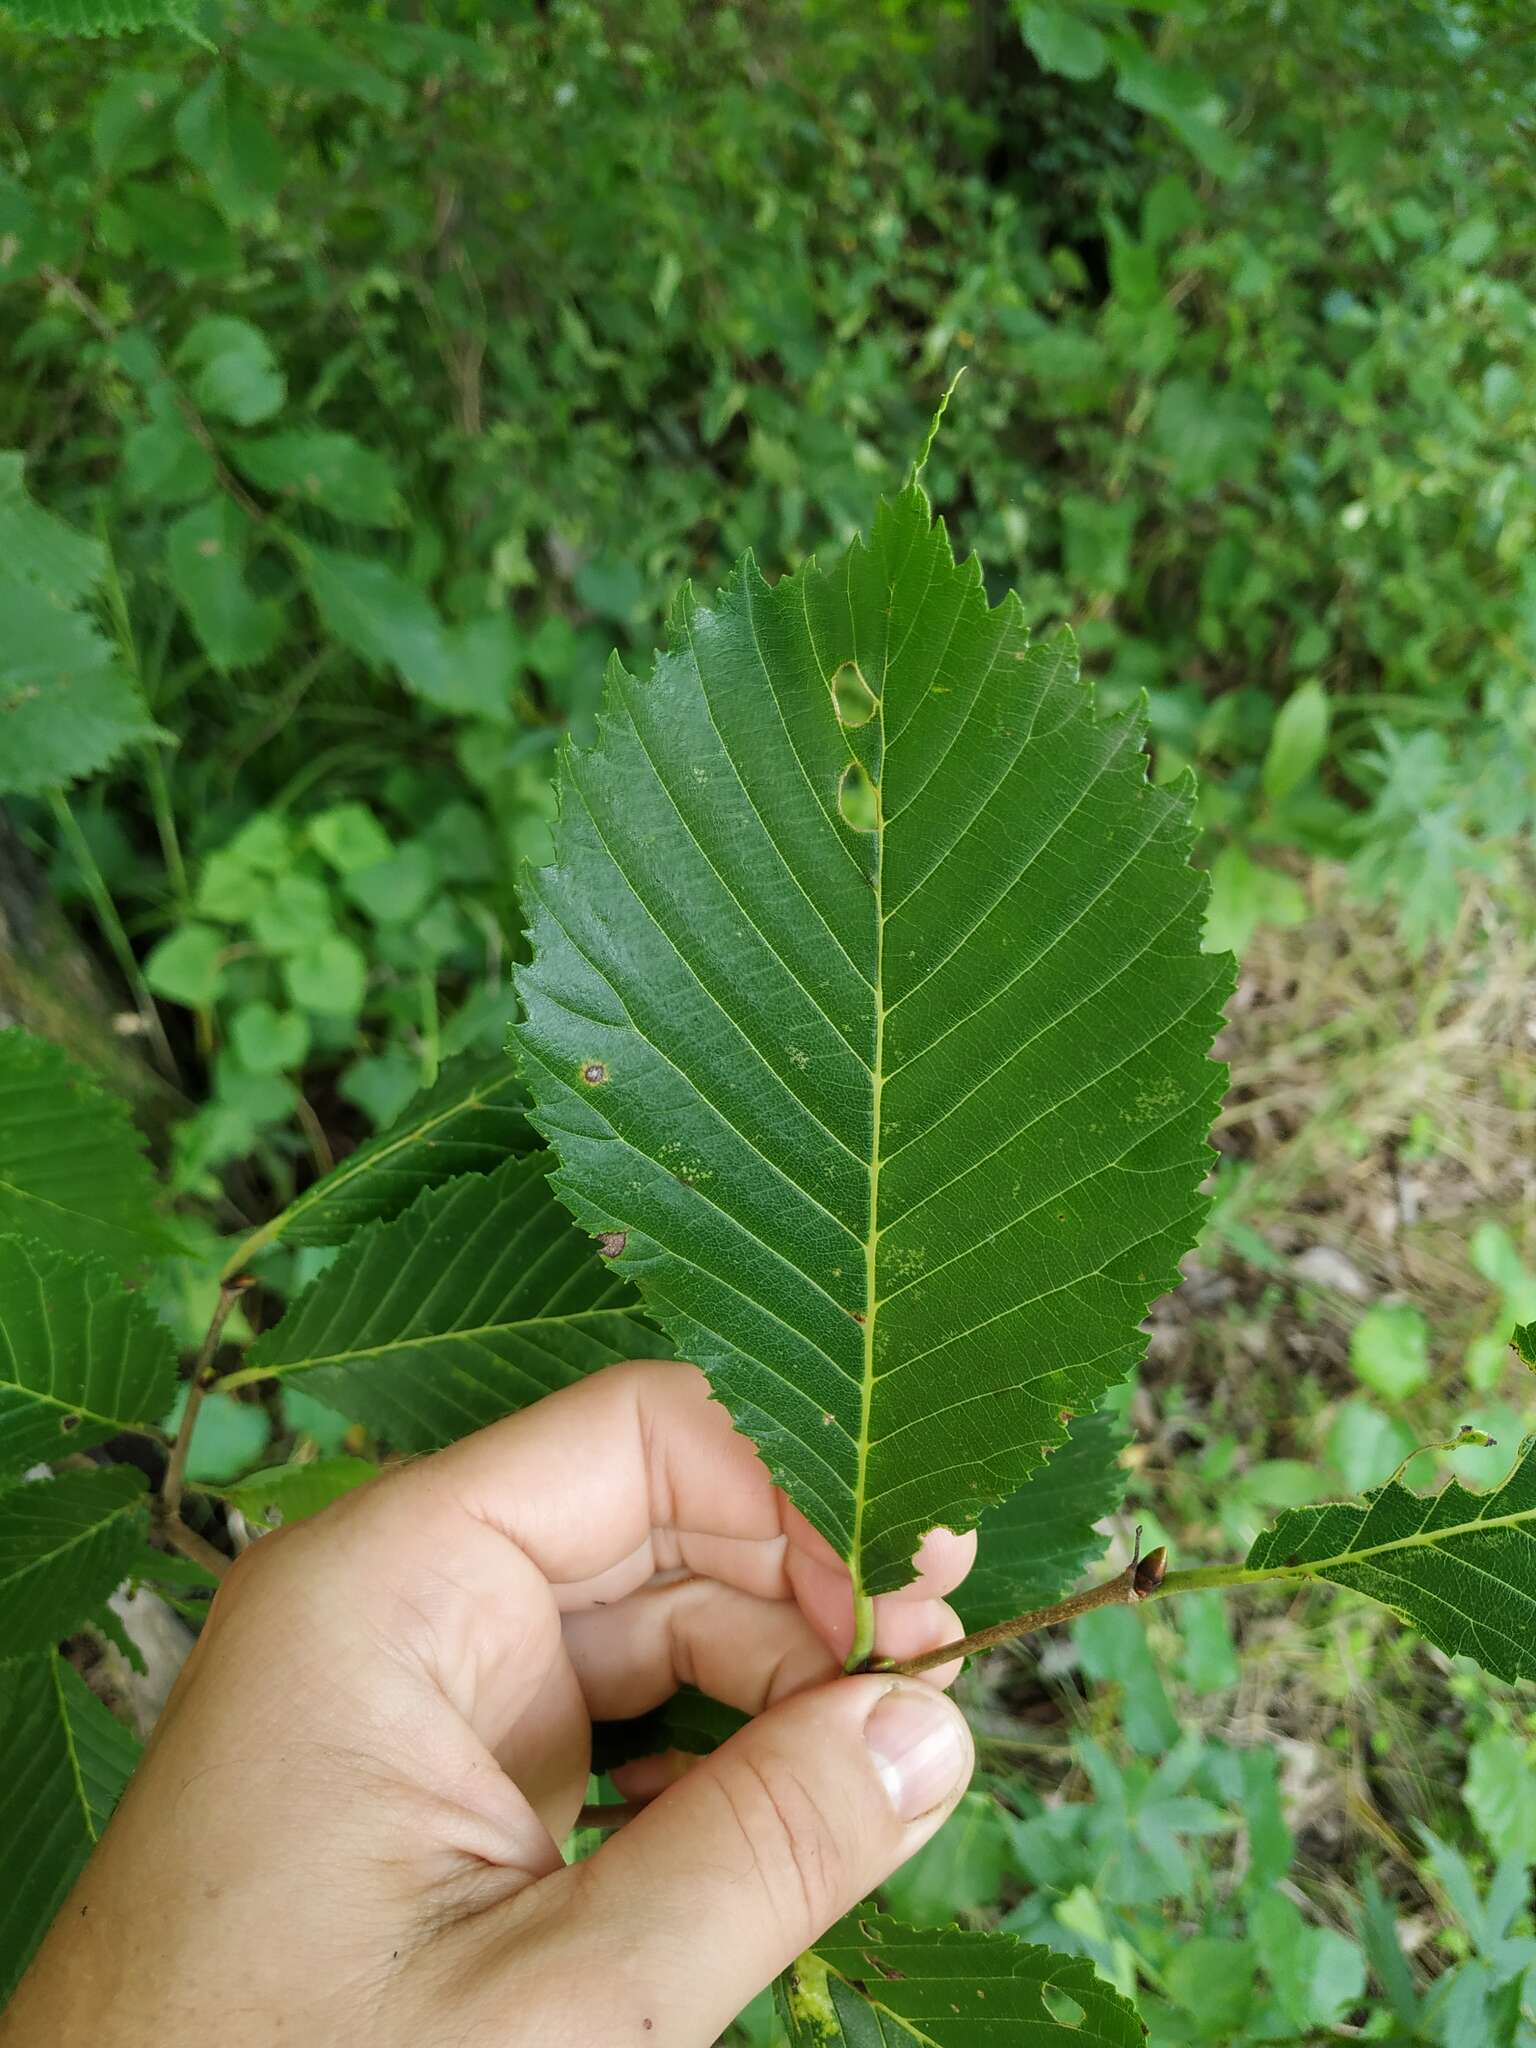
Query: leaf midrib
[357, 1168]
[1423, 1539]
[419, 1342]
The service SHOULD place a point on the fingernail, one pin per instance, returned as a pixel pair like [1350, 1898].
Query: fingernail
[919, 1746]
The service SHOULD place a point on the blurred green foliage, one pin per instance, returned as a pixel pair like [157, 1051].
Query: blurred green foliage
[403, 359]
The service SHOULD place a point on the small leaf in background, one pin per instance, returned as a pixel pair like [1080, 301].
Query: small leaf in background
[235, 373]
[349, 837]
[1389, 1350]
[1209, 1663]
[80, 1357]
[74, 1172]
[1298, 741]
[1500, 1793]
[269, 1040]
[205, 553]
[380, 1085]
[387, 620]
[293, 914]
[1097, 535]
[1244, 896]
[37, 548]
[65, 1544]
[1497, 1257]
[175, 232]
[331, 471]
[1366, 1447]
[291, 1493]
[397, 889]
[187, 966]
[480, 1298]
[1063, 42]
[228, 1437]
[67, 709]
[129, 128]
[220, 131]
[164, 462]
[67, 1761]
[1113, 1648]
[328, 975]
[1215, 1981]
[961, 1869]
[1318, 1974]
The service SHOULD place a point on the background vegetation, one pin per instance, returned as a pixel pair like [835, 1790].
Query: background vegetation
[392, 362]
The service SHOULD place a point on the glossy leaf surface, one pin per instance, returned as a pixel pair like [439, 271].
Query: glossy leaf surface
[478, 1300]
[867, 1006]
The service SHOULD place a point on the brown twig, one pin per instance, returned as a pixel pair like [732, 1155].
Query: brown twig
[1143, 1575]
[203, 1376]
[192, 1546]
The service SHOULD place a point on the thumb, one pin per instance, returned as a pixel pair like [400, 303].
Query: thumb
[722, 1881]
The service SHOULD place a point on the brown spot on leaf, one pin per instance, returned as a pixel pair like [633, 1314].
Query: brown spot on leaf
[68, 1423]
[611, 1242]
[594, 1073]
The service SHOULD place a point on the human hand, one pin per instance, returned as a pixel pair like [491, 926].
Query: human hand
[345, 1829]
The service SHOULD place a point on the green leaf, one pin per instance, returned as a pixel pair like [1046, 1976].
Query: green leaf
[72, 1166]
[962, 1869]
[236, 374]
[872, 1983]
[690, 1721]
[381, 615]
[1389, 1350]
[187, 966]
[221, 131]
[349, 837]
[1459, 1567]
[1523, 1338]
[80, 1357]
[181, 232]
[478, 1300]
[328, 975]
[128, 127]
[268, 1040]
[1039, 1542]
[67, 709]
[905, 1127]
[1245, 896]
[467, 1122]
[205, 552]
[39, 549]
[397, 889]
[65, 1544]
[1500, 1793]
[1298, 741]
[1063, 42]
[67, 1761]
[331, 471]
[290, 1493]
[99, 17]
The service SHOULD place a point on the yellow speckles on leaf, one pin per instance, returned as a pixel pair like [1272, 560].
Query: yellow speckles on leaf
[810, 1998]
